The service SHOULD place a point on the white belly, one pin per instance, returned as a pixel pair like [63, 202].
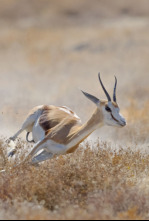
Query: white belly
[38, 132]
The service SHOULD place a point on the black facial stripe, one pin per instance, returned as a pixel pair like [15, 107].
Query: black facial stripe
[114, 118]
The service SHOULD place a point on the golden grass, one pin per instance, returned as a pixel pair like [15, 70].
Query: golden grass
[68, 43]
[88, 184]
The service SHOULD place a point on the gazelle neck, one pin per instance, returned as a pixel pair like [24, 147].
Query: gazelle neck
[95, 122]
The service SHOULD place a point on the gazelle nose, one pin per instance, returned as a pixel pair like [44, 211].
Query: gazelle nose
[124, 123]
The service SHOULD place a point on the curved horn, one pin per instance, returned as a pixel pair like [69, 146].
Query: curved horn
[114, 93]
[108, 96]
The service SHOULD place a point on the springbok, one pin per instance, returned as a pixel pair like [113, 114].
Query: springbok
[58, 130]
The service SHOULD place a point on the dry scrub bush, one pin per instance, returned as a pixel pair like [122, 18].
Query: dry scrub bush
[88, 184]
[96, 183]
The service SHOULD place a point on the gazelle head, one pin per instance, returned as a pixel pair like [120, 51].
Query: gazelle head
[109, 109]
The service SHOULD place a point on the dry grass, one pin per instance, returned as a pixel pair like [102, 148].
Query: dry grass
[85, 185]
[89, 184]
[48, 48]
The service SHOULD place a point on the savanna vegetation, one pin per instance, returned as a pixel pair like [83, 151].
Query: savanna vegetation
[96, 182]
[49, 49]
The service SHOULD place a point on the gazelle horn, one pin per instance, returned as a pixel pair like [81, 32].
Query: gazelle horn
[114, 93]
[106, 93]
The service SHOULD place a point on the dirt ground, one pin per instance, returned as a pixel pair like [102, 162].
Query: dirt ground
[51, 49]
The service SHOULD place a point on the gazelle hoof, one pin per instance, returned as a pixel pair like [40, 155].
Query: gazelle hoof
[12, 153]
[9, 140]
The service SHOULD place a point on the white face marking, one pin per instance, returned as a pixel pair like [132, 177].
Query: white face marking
[112, 117]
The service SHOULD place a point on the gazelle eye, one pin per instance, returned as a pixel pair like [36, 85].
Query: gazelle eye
[108, 109]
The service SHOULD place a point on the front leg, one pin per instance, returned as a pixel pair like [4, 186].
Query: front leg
[43, 156]
[50, 147]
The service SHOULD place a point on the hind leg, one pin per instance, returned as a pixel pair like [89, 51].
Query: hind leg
[27, 125]
[11, 143]
[17, 134]
[29, 122]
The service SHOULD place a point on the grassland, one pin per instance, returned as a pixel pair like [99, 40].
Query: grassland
[49, 49]
[98, 183]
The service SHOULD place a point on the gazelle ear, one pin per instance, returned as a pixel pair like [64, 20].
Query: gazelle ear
[94, 99]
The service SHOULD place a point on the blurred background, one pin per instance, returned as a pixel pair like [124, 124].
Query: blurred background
[50, 49]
